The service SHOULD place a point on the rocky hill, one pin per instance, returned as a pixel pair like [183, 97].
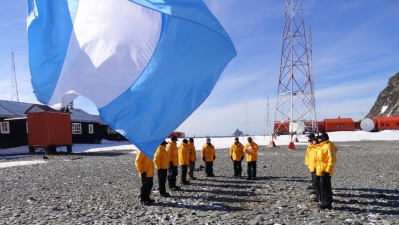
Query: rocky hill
[387, 103]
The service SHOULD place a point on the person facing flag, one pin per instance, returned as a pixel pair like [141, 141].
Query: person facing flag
[130, 58]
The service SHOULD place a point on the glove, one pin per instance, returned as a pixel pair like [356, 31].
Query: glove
[170, 164]
[325, 174]
[203, 158]
[242, 158]
[143, 175]
[214, 157]
[231, 158]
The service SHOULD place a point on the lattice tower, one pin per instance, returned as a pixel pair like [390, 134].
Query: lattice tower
[295, 111]
[14, 86]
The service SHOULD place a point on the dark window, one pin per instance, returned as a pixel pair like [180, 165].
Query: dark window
[382, 124]
[397, 124]
[351, 125]
[387, 124]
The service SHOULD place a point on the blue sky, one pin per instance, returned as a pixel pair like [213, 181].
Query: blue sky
[355, 52]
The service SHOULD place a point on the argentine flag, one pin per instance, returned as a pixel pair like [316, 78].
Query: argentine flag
[146, 64]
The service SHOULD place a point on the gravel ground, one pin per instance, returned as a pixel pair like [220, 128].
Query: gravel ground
[103, 188]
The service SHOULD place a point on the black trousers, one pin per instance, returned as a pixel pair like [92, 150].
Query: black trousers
[325, 190]
[162, 180]
[316, 185]
[172, 174]
[209, 168]
[146, 187]
[251, 169]
[237, 168]
[184, 173]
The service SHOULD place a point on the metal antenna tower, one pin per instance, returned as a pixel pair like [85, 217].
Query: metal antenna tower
[14, 87]
[267, 117]
[313, 126]
[295, 111]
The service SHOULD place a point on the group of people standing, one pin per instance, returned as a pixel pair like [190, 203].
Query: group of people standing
[320, 158]
[169, 156]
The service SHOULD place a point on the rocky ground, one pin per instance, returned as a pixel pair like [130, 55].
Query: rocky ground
[102, 188]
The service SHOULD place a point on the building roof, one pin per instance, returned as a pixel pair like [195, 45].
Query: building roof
[339, 120]
[10, 109]
[386, 118]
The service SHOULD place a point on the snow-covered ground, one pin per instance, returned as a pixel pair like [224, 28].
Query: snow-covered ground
[225, 142]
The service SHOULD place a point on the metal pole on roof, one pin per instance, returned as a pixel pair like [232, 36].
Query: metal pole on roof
[14, 86]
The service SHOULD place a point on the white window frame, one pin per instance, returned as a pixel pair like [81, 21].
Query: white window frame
[5, 127]
[108, 130]
[91, 129]
[76, 128]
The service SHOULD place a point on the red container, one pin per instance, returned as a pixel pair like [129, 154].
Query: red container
[49, 129]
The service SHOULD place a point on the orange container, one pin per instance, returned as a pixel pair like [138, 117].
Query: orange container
[49, 129]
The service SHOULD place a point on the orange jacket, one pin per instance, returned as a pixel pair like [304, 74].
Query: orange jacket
[252, 155]
[193, 153]
[161, 158]
[209, 152]
[173, 153]
[237, 151]
[326, 158]
[144, 164]
[184, 154]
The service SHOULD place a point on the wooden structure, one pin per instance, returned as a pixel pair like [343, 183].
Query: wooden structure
[48, 128]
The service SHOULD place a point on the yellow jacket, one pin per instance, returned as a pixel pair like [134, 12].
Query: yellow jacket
[161, 158]
[184, 154]
[144, 164]
[172, 152]
[312, 160]
[209, 152]
[326, 158]
[193, 153]
[252, 156]
[237, 151]
[307, 154]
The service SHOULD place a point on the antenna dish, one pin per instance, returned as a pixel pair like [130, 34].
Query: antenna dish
[367, 124]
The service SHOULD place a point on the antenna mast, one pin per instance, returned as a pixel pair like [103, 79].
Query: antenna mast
[295, 111]
[268, 116]
[14, 87]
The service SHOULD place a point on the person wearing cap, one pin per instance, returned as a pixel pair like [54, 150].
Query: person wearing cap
[171, 147]
[251, 151]
[145, 167]
[161, 161]
[310, 136]
[208, 154]
[193, 158]
[184, 161]
[237, 155]
[325, 162]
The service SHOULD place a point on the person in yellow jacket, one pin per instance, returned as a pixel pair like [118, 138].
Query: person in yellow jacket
[161, 161]
[237, 155]
[193, 158]
[312, 161]
[325, 162]
[145, 167]
[171, 147]
[311, 137]
[208, 154]
[184, 160]
[251, 151]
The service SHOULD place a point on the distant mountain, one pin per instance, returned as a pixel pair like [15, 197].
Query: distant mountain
[387, 103]
[238, 133]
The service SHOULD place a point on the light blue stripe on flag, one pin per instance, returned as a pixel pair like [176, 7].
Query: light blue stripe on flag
[181, 74]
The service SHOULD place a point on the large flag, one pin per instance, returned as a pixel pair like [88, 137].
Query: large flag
[146, 64]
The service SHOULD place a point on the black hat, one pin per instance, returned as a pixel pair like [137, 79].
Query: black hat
[191, 140]
[236, 139]
[185, 141]
[249, 139]
[311, 135]
[174, 138]
[164, 143]
[208, 139]
[324, 136]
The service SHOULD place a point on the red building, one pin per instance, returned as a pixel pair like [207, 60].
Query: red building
[386, 123]
[339, 124]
